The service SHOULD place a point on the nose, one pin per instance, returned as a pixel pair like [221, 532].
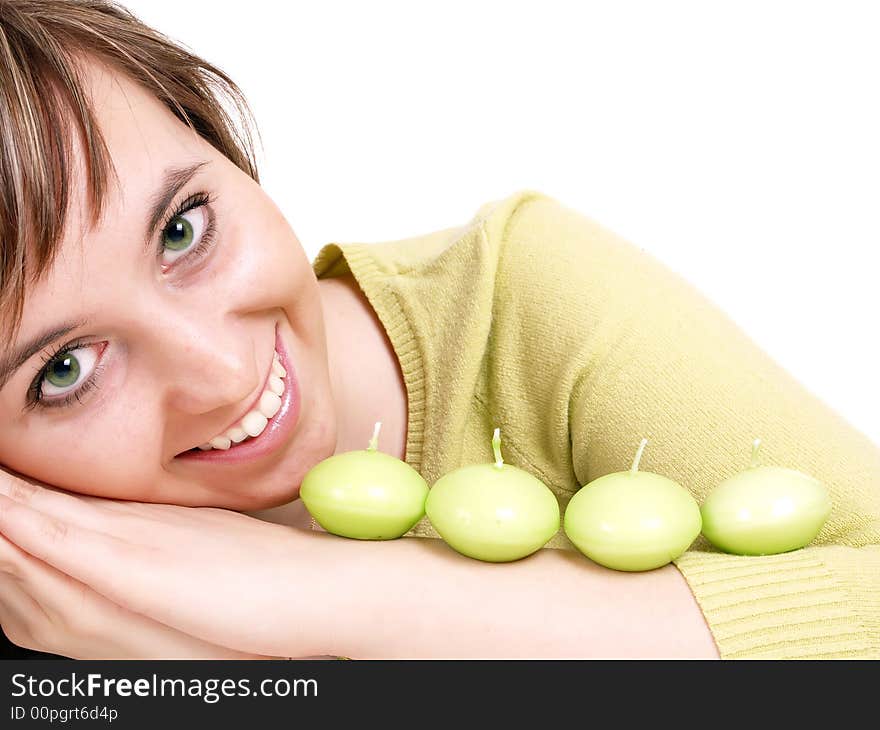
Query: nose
[205, 366]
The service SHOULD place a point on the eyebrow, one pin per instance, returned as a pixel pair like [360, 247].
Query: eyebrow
[18, 357]
[173, 180]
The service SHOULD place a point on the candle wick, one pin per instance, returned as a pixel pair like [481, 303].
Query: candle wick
[635, 466]
[496, 447]
[374, 441]
[755, 446]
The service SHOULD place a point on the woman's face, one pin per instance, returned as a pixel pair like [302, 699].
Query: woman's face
[162, 338]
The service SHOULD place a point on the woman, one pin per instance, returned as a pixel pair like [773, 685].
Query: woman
[170, 347]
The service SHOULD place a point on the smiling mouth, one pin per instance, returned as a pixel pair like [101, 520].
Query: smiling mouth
[255, 420]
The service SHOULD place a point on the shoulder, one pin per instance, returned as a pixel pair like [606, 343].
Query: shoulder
[549, 234]
[559, 263]
[553, 263]
[546, 248]
[524, 217]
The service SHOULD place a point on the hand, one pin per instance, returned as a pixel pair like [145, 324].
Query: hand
[43, 609]
[209, 574]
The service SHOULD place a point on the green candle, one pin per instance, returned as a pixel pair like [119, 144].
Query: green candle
[765, 510]
[632, 520]
[493, 512]
[367, 494]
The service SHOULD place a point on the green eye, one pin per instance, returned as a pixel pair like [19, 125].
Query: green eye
[67, 371]
[67, 374]
[178, 235]
[63, 372]
[187, 233]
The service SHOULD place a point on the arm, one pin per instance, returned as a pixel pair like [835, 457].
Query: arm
[418, 598]
[209, 575]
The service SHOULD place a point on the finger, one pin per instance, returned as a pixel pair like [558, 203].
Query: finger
[10, 556]
[83, 624]
[170, 515]
[166, 514]
[120, 518]
[18, 612]
[113, 517]
[72, 549]
[50, 611]
[53, 612]
[50, 501]
[91, 557]
[53, 599]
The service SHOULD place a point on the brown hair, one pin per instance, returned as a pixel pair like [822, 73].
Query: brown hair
[41, 44]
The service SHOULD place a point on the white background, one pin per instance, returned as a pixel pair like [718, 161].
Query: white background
[738, 142]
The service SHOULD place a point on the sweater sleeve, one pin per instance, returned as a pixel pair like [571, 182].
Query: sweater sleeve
[659, 360]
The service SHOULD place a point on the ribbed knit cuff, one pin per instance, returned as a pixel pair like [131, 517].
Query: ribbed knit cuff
[814, 603]
[391, 313]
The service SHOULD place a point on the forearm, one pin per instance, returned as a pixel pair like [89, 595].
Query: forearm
[417, 598]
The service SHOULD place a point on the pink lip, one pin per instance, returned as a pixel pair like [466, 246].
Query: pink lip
[277, 430]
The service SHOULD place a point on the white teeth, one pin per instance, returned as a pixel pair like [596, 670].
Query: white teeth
[236, 434]
[221, 442]
[276, 385]
[269, 404]
[254, 423]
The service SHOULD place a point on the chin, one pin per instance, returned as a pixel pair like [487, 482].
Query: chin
[281, 482]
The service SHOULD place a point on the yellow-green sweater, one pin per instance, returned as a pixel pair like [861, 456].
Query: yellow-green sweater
[535, 319]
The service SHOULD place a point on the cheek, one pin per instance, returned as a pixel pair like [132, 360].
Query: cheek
[104, 455]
